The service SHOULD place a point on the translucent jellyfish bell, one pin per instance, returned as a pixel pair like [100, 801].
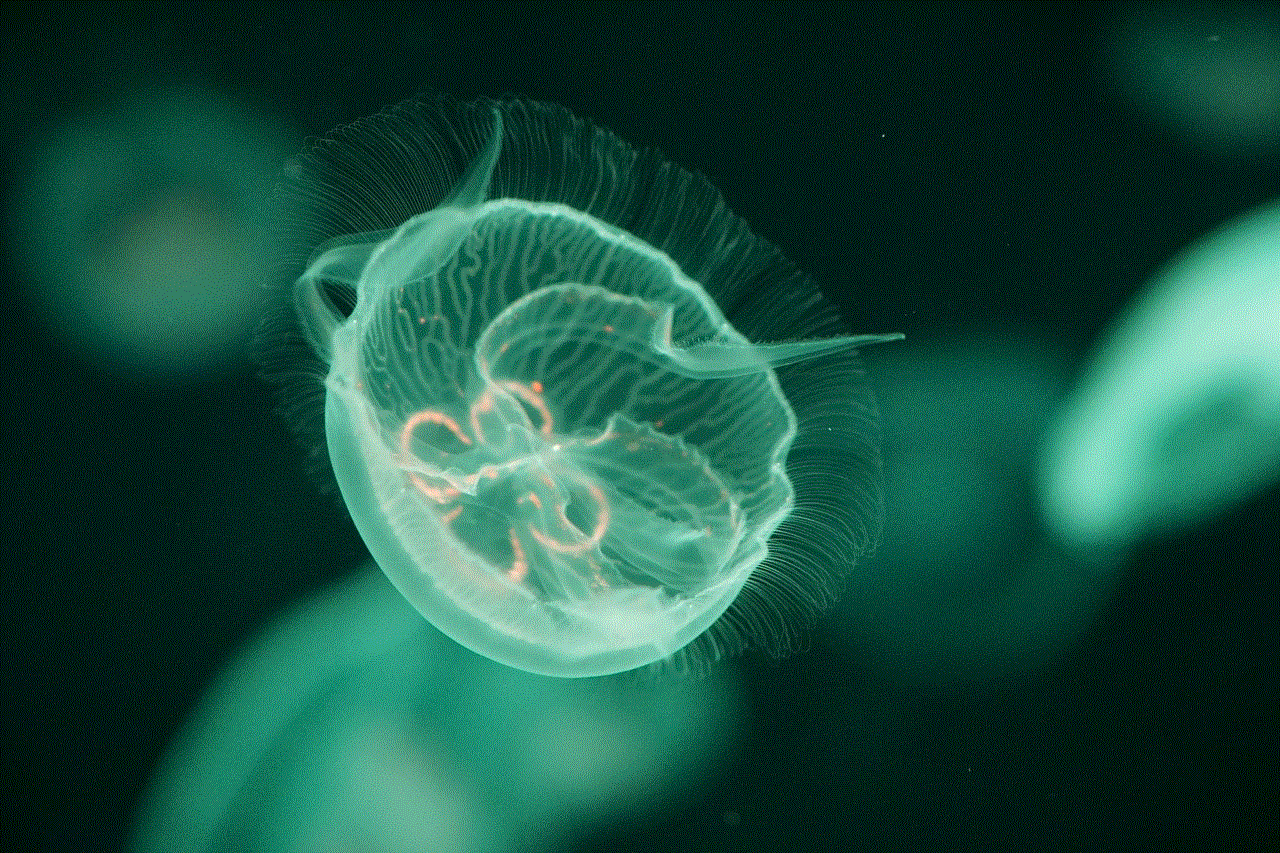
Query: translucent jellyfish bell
[550, 435]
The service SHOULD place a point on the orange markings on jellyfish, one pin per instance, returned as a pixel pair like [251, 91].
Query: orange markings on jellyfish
[442, 494]
[519, 565]
[483, 404]
[430, 416]
[531, 394]
[597, 534]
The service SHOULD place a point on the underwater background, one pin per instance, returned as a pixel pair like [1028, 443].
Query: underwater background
[1000, 182]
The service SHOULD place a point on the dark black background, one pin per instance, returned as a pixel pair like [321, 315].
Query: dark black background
[934, 166]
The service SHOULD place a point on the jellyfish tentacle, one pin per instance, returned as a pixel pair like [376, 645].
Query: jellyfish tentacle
[473, 187]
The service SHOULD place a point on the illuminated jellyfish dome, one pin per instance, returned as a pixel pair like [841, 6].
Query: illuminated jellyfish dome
[575, 407]
[1177, 417]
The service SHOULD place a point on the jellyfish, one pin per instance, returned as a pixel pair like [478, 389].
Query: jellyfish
[1177, 415]
[350, 724]
[143, 232]
[569, 399]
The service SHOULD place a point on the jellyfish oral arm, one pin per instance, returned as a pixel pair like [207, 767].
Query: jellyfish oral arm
[341, 261]
[640, 328]
[718, 360]
[347, 259]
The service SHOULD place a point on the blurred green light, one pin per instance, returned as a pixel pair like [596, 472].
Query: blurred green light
[1177, 417]
[352, 724]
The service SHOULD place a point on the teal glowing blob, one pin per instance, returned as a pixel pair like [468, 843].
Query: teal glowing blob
[1177, 416]
[1207, 73]
[350, 724]
[966, 586]
[550, 435]
[142, 232]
